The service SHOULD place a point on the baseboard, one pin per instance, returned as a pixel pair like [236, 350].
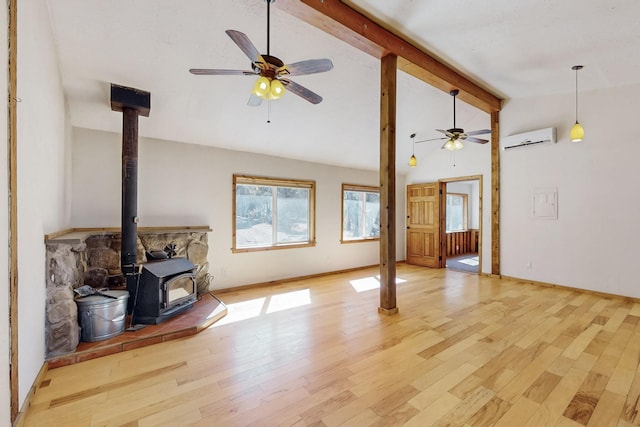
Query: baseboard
[292, 279]
[19, 421]
[569, 288]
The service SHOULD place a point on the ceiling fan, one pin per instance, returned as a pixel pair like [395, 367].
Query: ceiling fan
[273, 73]
[455, 136]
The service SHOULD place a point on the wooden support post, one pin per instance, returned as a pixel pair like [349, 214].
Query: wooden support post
[495, 193]
[388, 184]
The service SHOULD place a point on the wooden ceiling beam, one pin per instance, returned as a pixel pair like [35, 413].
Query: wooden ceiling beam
[350, 26]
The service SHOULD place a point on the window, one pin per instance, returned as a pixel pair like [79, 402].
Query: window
[360, 213]
[272, 213]
[456, 212]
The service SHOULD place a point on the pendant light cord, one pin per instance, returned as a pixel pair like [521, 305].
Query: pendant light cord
[268, 25]
[577, 94]
[577, 68]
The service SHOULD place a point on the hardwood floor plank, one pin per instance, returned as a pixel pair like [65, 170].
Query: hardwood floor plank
[518, 414]
[523, 381]
[464, 350]
[607, 411]
[467, 408]
[432, 413]
[490, 413]
[540, 389]
[431, 394]
[585, 400]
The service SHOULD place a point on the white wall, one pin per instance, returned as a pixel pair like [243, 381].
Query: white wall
[186, 184]
[43, 204]
[471, 189]
[5, 395]
[593, 243]
[474, 159]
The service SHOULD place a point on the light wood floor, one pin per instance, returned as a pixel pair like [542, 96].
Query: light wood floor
[464, 350]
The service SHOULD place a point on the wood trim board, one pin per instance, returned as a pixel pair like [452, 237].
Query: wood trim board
[13, 205]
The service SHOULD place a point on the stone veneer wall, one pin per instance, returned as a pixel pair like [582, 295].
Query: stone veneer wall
[93, 258]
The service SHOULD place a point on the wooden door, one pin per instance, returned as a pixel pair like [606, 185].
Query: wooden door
[425, 224]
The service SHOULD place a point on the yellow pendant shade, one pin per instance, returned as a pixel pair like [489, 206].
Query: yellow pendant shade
[262, 87]
[457, 145]
[449, 145]
[277, 89]
[577, 133]
[413, 162]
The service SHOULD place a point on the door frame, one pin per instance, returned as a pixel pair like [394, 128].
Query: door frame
[480, 205]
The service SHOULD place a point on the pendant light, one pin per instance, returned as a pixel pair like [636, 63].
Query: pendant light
[413, 162]
[577, 131]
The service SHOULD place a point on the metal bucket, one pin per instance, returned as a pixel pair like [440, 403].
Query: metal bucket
[102, 317]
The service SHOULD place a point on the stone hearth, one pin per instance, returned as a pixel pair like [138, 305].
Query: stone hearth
[92, 257]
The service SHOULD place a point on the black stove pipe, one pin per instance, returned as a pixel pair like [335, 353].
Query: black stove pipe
[132, 103]
[129, 246]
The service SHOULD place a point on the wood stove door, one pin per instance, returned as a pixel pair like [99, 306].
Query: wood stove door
[179, 288]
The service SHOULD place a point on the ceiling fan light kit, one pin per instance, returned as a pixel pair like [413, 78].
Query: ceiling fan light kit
[577, 131]
[268, 89]
[453, 145]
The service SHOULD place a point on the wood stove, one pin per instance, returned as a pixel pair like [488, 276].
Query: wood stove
[164, 288]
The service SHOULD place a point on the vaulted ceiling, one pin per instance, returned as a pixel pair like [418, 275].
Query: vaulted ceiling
[513, 49]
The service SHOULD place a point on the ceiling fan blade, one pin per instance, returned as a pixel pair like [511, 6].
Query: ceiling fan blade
[446, 132]
[478, 132]
[254, 101]
[478, 140]
[302, 91]
[219, 72]
[310, 66]
[245, 45]
[432, 139]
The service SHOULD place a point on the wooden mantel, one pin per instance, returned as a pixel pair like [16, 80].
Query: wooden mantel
[77, 235]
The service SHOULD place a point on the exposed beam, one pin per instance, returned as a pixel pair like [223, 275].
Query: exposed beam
[388, 77]
[350, 26]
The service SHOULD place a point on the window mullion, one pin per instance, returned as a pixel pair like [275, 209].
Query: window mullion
[274, 217]
[363, 214]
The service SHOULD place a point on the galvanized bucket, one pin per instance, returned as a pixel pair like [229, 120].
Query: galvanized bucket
[102, 316]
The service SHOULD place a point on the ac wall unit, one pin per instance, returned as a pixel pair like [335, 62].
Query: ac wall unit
[529, 138]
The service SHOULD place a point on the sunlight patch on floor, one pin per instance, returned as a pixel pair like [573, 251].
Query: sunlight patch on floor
[253, 308]
[470, 261]
[369, 283]
[289, 300]
[242, 310]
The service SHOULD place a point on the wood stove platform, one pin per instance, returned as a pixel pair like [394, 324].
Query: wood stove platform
[205, 312]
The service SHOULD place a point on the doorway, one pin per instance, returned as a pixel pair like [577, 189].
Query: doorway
[463, 211]
[444, 224]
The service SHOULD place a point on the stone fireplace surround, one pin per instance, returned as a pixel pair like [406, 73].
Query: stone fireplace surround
[91, 256]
